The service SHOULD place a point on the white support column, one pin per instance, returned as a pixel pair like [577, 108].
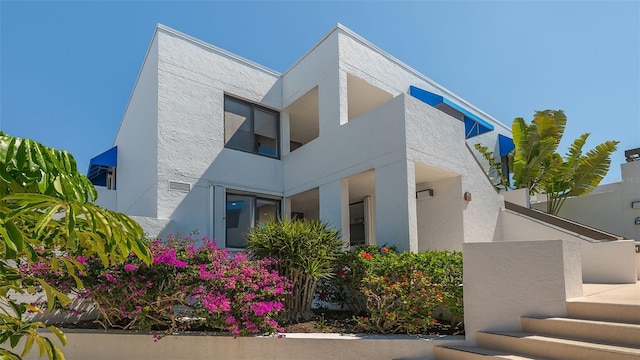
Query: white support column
[332, 102]
[369, 221]
[285, 134]
[219, 214]
[396, 219]
[334, 207]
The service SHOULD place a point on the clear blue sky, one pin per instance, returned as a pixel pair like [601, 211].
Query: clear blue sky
[67, 68]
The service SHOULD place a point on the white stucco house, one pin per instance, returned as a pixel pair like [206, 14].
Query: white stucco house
[216, 143]
[348, 134]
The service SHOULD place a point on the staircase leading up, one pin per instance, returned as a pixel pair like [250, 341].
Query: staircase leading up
[604, 324]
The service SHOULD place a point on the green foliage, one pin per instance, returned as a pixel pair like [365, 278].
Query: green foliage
[500, 182]
[305, 252]
[535, 148]
[46, 210]
[537, 166]
[343, 289]
[400, 302]
[374, 281]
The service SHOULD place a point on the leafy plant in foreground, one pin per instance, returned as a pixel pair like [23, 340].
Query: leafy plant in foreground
[46, 210]
[304, 251]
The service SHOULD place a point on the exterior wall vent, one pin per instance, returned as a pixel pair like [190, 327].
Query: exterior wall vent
[179, 186]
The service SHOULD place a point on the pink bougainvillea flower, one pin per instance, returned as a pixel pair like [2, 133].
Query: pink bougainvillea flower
[130, 267]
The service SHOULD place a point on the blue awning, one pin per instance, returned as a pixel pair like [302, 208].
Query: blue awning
[99, 164]
[473, 125]
[505, 144]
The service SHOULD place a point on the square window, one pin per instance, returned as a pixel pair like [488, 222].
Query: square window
[250, 128]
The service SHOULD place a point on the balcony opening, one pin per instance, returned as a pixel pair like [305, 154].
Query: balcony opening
[304, 119]
[362, 97]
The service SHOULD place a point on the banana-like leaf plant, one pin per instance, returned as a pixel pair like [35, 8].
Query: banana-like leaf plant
[537, 165]
[47, 209]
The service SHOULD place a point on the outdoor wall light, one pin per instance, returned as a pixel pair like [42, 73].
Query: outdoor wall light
[467, 196]
[637, 221]
[424, 194]
[635, 204]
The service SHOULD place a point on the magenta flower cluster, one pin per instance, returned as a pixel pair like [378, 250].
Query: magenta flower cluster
[190, 283]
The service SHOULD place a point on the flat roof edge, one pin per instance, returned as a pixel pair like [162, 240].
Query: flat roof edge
[215, 49]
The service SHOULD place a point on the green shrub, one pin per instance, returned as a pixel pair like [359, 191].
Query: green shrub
[343, 289]
[305, 252]
[357, 286]
[400, 302]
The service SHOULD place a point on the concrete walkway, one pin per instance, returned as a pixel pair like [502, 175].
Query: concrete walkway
[611, 293]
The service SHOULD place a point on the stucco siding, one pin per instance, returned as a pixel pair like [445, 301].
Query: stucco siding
[311, 69]
[137, 141]
[193, 80]
[433, 137]
[373, 140]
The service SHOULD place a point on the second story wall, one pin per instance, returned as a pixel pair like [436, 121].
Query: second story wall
[137, 140]
[193, 80]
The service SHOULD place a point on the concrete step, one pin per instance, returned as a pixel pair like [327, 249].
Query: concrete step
[475, 353]
[604, 311]
[554, 347]
[585, 330]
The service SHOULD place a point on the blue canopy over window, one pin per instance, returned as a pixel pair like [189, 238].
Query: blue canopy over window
[99, 166]
[505, 144]
[473, 125]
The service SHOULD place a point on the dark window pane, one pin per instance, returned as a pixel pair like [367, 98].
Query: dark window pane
[266, 210]
[238, 129]
[250, 128]
[240, 218]
[266, 131]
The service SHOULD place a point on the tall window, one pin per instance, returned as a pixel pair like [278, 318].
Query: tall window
[250, 128]
[245, 212]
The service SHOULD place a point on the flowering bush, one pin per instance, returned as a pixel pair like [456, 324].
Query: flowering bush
[400, 303]
[343, 289]
[397, 292]
[185, 287]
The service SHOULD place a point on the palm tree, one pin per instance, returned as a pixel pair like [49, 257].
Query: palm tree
[46, 209]
[537, 165]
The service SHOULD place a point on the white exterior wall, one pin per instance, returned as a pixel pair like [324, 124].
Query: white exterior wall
[437, 140]
[107, 198]
[440, 219]
[602, 262]
[608, 207]
[186, 120]
[137, 141]
[192, 81]
[506, 280]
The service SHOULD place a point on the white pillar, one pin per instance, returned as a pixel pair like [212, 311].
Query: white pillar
[395, 196]
[369, 220]
[285, 134]
[332, 102]
[219, 215]
[334, 207]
